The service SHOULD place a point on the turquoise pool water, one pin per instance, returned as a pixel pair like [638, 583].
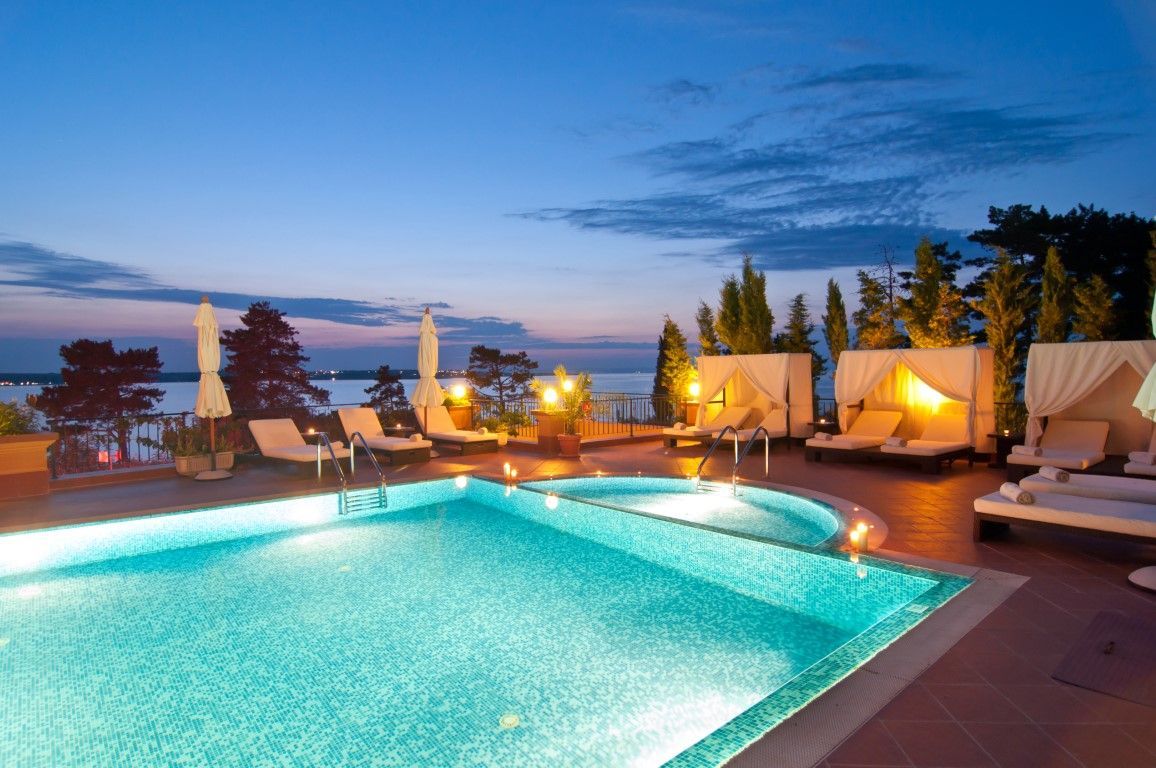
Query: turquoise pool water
[461, 626]
[755, 511]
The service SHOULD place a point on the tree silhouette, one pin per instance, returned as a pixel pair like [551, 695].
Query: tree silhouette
[505, 377]
[387, 395]
[835, 322]
[104, 385]
[266, 370]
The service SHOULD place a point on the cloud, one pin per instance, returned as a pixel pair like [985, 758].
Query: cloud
[683, 91]
[25, 266]
[794, 183]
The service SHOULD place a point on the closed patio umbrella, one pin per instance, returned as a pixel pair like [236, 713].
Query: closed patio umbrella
[212, 401]
[427, 392]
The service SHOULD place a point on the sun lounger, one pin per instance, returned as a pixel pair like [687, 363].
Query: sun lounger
[400, 450]
[943, 439]
[1067, 443]
[731, 416]
[1108, 517]
[439, 427]
[867, 431]
[1138, 489]
[280, 439]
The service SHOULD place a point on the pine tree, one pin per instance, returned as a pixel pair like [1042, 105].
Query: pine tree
[835, 322]
[1006, 294]
[1055, 302]
[708, 342]
[104, 386]
[504, 377]
[387, 395]
[947, 326]
[1094, 317]
[266, 368]
[874, 320]
[673, 370]
[797, 336]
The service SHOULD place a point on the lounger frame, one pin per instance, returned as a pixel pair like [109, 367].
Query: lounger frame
[985, 522]
[931, 465]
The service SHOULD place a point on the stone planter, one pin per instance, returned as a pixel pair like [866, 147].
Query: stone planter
[24, 464]
[191, 466]
[462, 416]
[569, 446]
[550, 425]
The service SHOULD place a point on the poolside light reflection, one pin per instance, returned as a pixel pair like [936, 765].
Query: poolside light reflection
[551, 501]
[29, 592]
[460, 481]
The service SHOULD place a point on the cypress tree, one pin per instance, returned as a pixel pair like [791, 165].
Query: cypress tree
[1095, 319]
[835, 321]
[1005, 296]
[729, 321]
[1054, 316]
[673, 370]
[708, 342]
[757, 320]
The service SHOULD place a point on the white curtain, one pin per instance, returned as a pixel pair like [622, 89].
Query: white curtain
[952, 372]
[713, 373]
[1060, 375]
[860, 371]
[766, 374]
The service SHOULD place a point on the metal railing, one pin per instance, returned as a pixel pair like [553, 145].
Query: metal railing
[610, 414]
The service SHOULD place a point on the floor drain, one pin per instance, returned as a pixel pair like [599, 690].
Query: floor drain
[509, 721]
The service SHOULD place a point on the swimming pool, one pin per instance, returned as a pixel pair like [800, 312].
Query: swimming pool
[462, 626]
[756, 511]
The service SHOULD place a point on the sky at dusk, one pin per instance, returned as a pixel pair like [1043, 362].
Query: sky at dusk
[553, 177]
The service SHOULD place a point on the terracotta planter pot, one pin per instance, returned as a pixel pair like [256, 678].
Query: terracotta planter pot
[569, 445]
[24, 464]
[190, 466]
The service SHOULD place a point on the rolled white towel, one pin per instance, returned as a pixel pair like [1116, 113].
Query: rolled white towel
[823, 436]
[1027, 450]
[1142, 457]
[483, 430]
[898, 442]
[337, 444]
[1055, 473]
[415, 437]
[1015, 493]
[679, 425]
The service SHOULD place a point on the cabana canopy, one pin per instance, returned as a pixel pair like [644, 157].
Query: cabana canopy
[899, 380]
[760, 381]
[1089, 380]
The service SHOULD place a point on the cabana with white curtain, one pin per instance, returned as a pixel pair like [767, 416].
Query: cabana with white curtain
[1090, 380]
[760, 382]
[919, 383]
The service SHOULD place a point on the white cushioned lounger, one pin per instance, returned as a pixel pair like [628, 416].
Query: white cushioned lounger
[280, 439]
[1067, 444]
[731, 416]
[1123, 518]
[775, 422]
[945, 433]
[439, 427]
[1143, 467]
[868, 431]
[1137, 489]
[365, 421]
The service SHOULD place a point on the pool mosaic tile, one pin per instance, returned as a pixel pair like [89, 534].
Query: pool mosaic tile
[411, 636]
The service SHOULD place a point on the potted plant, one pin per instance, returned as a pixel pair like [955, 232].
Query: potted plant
[496, 427]
[188, 444]
[23, 451]
[569, 400]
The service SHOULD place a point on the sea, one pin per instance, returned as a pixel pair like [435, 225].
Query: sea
[180, 396]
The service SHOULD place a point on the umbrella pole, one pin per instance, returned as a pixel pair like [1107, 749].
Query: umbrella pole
[212, 445]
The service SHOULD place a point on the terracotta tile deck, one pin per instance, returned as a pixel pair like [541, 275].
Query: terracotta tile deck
[990, 701]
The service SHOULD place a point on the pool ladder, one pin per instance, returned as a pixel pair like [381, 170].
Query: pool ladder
[360, 499]
[740, 456]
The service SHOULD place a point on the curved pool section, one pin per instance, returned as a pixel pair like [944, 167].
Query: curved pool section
[761, 512]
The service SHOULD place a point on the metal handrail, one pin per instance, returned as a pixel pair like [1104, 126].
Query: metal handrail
[717, 440]
[324, 438]
[766, 452]
[357, 436]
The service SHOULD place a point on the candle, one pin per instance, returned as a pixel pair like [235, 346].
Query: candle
[861, 528]
[854, 536]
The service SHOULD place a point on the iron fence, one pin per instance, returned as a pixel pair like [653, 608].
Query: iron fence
[610, 414]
